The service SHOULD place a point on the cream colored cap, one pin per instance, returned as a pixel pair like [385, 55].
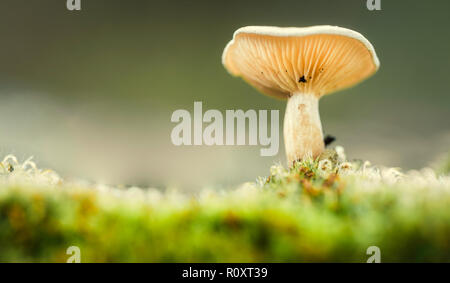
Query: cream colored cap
[317, 60]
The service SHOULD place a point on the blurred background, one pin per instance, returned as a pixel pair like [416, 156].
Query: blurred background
[91, 93]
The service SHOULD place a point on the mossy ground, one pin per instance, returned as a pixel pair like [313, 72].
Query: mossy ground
[323, 210]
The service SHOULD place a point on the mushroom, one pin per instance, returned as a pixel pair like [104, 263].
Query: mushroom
[300, 65]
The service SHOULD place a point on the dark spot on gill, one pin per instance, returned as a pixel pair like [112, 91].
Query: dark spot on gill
[302, 80]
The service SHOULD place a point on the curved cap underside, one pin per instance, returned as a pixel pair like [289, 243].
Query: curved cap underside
[318, 60]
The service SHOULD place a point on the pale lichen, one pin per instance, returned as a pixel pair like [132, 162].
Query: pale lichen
[12, 172]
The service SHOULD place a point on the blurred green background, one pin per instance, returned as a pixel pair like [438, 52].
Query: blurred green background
[91, 93]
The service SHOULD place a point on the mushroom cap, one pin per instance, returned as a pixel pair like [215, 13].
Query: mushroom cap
[282, 61]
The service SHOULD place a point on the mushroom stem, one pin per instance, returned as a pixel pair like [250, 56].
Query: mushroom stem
[302, 127]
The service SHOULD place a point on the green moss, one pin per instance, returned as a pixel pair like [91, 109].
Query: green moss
[320, 210]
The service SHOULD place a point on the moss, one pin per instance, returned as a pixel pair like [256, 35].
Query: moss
[328, 209]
